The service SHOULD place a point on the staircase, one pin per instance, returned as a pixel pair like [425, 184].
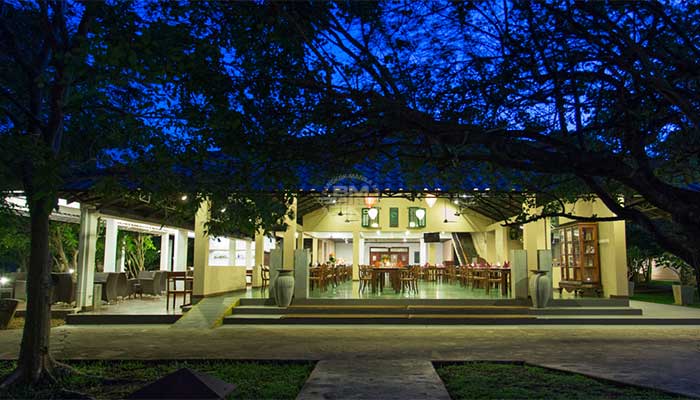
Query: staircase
[379, 314]
[464, 247]
[435, 312]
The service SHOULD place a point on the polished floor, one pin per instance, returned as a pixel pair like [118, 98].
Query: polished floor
[426, 290]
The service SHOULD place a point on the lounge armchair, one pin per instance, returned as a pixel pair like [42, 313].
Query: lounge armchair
[110, 284]
[150, 284]
[162, 278]
[63, 289]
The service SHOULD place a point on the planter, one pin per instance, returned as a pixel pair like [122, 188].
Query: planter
[630, 289]
[683, 294]
[540, 288]
[283, 288]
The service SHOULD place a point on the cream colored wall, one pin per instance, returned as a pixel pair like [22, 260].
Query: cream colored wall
[612, 247]
[323, 220]
[210, 280]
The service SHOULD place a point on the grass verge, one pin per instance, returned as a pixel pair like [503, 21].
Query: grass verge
[491, 380]
[253, 379]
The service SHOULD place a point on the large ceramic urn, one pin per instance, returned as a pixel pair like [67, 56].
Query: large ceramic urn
[283, 288]
[540, 288]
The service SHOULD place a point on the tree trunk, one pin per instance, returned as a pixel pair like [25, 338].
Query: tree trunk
[35, 363]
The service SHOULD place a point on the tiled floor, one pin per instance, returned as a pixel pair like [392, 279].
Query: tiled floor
[426, 290]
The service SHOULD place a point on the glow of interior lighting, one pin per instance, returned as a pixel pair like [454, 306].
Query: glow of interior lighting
[184, 197]
[430, 200]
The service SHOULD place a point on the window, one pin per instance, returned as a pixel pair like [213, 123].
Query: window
[367, 220]
[393, 217]
[416, 217]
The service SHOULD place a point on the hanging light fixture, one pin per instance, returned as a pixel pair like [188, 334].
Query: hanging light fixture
[372, 213]
[420, 214]
[430, 200]
[370, 201]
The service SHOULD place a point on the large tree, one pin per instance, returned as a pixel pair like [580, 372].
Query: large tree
[113, 98]
[565, 99]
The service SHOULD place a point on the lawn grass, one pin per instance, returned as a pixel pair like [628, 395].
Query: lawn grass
[661, 297]
[253, 379]
[490, 380]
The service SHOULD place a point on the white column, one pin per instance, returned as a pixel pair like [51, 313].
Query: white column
[423, 252]
[363, 260]
[289, 238]
[201, 249]
[249, 255]
[122, 257]
[165, 252]
[87, 243]
[180, 259]
[259, 257]
[232, 251]
[314, 251]
[356, 255]
[111, 232]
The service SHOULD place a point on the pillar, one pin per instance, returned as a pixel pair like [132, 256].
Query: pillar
[165, 252]
[122, 257]
[289, 237]
[502, 239]
[423, 252]
[201, 248]
[87, 243]
[314, 251]
[363, 261]
[111, 232]
[259, 257]
[432, 253]
[180, 250]
[356, 255]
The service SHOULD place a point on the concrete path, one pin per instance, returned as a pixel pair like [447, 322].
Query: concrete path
[665, 357]
[374, 379]
[209, 312]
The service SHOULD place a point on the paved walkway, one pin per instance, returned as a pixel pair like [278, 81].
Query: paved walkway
[665, 357]
[374, 379]
[209, 312]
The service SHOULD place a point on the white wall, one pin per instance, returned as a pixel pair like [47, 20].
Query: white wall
[344, 251]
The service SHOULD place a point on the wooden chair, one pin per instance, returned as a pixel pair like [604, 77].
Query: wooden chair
[178, 282]
[366, 277]
[316, 276]
[479, 277]
[494, 278]
[264, 277]
[409, 280]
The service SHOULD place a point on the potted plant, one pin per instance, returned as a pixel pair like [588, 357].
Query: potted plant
[684, 292]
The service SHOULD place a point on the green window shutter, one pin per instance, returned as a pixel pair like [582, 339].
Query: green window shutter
[394, 217]
[365, 218]
[413, 221]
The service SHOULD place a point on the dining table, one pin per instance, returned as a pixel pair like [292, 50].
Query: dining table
[379, 275]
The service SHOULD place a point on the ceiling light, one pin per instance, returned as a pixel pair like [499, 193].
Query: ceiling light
[184, 197]
[370, 201]
[430, 200]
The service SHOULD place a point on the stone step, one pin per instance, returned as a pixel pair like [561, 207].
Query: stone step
[354, 319]
[430, 309]
[450, 319]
